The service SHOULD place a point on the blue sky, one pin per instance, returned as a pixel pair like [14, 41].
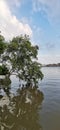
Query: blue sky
[40, 19]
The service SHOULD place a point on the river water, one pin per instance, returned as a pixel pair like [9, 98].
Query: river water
[50, 86]
[27, 108]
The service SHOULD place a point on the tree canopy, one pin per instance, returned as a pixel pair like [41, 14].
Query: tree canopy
[2, 44]
[21, 56]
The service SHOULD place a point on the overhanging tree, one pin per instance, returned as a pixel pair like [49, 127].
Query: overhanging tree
[22, 57]
[3, 46]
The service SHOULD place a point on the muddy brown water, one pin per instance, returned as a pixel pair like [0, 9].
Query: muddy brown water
[31, 108]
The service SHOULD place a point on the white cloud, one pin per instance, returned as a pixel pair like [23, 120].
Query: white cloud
[50, 7]
[16, 3]
[10, 26]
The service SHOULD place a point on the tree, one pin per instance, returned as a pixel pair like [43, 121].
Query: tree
[2, 44]
[22, 56]
[3, 70]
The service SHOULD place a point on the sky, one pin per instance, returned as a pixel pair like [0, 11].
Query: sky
[40, 19]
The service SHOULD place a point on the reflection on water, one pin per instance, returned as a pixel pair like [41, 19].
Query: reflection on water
[20, 111]
[25, 108]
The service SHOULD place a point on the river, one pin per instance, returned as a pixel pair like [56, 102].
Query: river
[32, 108]
[50, 86]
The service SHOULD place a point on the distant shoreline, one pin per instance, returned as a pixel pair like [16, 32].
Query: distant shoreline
[52, 65]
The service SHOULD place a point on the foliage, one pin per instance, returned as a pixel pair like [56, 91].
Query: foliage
[22, 57]
[2, 44]
[3, 70]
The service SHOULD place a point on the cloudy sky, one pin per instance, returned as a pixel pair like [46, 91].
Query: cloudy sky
[40, 19]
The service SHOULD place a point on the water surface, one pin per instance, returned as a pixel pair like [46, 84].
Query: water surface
[50, 112]
[31, 108]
